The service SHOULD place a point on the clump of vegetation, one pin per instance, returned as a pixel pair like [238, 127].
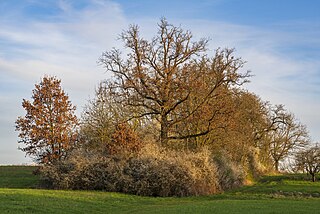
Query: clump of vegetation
[229, 174]
[171, 121]
[152, 172]
[124, 140]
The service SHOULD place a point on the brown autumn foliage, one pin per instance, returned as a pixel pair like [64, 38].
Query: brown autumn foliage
[124, 140]
[48, 128]
[238, 138]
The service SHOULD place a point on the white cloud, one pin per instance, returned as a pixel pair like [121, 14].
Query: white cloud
[68, 48]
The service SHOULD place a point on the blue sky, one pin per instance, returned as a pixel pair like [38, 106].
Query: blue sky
[279, 39]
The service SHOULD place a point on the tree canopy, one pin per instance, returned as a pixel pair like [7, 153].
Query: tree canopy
[170, 78]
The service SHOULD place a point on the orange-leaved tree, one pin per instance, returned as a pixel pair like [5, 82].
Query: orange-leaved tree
[48, 129]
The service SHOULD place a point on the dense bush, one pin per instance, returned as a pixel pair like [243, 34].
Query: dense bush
[56, 176]
[152, 172]
[152, 177]
[229, 174]
[199, 166]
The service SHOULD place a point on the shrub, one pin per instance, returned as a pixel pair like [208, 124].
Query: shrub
[154, 177]
[230, 175]
[198, 164]
[153, 172]
[257, 167]
[56, 176]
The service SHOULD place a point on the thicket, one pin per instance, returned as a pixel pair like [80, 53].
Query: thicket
[153, 171]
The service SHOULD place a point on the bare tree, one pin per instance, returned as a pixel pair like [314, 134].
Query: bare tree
[159, 76]
[286, 135]
[309, 160]
[99, 118]
[48, 128]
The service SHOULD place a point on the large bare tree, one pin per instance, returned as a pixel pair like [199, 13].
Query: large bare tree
[158, 77]
[47, 129]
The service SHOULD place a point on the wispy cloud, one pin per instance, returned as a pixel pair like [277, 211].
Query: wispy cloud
[67, 46]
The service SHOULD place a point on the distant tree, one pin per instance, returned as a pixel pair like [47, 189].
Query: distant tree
[170, 78]
[309, 160]
[286, 135]
[48, 128]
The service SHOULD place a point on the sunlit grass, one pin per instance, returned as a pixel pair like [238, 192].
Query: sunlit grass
[288, 185]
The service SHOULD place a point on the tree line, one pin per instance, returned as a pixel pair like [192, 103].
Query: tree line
[170, 94]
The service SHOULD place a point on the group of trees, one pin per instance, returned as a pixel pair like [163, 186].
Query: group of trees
[167, 90]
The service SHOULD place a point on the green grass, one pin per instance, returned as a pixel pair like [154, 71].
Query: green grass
[270, 195]
[18, 177]
[296, 185]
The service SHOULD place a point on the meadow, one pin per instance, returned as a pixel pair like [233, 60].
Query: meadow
[271, 194]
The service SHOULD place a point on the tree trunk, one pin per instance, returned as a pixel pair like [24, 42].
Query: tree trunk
[276, 165]
[164, 130]
[313, 177]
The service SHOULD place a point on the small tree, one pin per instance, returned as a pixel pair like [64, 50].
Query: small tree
[99, 119]
[309, 160]
[104, 127]
[48, 127]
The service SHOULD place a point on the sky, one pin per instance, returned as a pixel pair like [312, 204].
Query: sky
[279, 39]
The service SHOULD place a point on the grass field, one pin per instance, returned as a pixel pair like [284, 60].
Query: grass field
[17, 177]
[272, 194]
